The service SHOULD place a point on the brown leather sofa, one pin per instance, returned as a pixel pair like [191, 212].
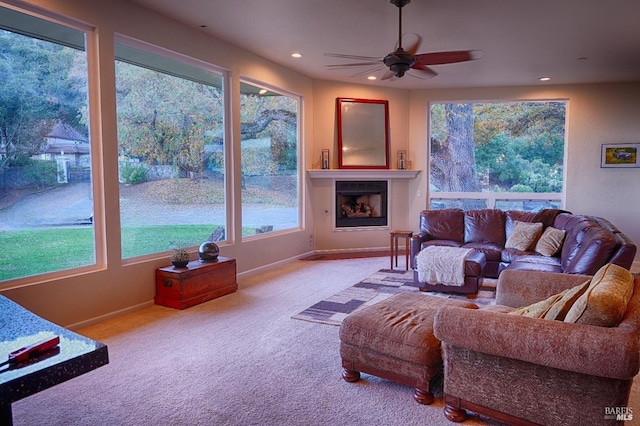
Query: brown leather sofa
[535, 371]
[589, 243]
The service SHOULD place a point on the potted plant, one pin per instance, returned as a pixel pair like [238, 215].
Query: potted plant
[180, 256]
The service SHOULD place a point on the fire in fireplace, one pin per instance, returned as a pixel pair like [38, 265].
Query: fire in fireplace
[361, 203]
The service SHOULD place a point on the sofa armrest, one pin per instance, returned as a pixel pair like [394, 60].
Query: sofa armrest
[517, 288]
[416, 246]
[601, 351]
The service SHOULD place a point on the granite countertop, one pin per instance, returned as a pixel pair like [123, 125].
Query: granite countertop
[19, 327]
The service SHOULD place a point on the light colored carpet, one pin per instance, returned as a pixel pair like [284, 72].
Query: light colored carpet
[236, 360]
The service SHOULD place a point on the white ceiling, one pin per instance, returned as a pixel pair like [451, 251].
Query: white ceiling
[522, 40]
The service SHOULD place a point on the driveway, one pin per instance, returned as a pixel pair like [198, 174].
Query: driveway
[71, 205]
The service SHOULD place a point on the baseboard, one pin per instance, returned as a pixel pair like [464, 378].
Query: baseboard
[113, 314]
[384, 250]
[635, 267]
[272, 265]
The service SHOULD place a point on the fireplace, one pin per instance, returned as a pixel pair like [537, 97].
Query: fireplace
[361, 203]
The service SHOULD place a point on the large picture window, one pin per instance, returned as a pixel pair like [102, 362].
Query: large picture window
[171, 151]
[269, 142]
[45, 156]
[506, 155]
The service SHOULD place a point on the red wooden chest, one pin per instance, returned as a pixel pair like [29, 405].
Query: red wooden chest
[181, 288]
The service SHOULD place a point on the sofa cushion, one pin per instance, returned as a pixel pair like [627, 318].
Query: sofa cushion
[492, 252]
[555, 307]
[446, 224]
[605, 301]
[550, 242]
[484, 226]
[524, 235]
[593, 248]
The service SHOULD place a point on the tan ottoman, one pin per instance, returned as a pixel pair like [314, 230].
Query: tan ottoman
[393, 339]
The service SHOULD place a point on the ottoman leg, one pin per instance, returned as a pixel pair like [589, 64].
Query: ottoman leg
[350, 375]
[423, 396]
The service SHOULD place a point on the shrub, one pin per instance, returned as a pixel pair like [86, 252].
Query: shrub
[134, 174]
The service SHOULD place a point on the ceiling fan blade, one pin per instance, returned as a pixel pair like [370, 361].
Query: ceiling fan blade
[356, 57]
[440, 58]
[359, 64]
[369, 71]
[387, 75]
[422, 72]
[412, 41]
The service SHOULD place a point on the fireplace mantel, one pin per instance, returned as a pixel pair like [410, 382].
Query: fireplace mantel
[362, 174]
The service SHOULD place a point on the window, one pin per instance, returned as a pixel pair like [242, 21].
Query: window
[269, 140]
[171, 150]
[505, 155]
[45, 155]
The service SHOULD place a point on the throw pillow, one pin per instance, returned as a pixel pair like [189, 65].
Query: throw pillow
[605, 301]
[524, 235]
[559, 309]
[538, 309]
[554, 307]
[550, 241]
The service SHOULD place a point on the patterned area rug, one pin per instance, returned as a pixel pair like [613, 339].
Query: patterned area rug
[379, 286]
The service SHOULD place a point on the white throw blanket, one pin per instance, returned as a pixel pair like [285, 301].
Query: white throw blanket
[442, 265]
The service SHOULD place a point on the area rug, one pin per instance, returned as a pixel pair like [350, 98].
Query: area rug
[375, 288]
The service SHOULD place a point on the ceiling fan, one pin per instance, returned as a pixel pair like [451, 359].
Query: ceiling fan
[401, 61]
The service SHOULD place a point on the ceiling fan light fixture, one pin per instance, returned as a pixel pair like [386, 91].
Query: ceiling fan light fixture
[399, 69]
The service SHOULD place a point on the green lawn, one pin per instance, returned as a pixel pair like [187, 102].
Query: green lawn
[38, 251]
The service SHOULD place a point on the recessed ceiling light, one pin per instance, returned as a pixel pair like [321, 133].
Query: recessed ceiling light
[262, 91]
[296, 55]
[372, 77]
[544, 78]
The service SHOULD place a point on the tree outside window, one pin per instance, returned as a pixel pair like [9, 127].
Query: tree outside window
[171, 153]
[45, 168]
[485, 153]
[269, 152]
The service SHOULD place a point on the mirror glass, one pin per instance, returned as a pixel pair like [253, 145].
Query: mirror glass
[363, 133]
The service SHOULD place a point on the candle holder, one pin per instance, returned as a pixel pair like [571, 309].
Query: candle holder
[402, 160]
[325, 158]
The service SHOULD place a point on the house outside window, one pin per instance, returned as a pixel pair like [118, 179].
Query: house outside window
[171, 134]
[504, 155]
[46, 200]
[269, 134]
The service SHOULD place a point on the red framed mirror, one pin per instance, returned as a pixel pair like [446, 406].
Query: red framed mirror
[363, 133]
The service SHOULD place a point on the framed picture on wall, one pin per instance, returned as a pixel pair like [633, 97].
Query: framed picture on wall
[620, 155]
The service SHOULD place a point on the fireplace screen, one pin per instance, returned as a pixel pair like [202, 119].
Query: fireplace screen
[361, 203]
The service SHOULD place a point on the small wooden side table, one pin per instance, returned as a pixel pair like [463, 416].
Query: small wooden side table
[395, 236]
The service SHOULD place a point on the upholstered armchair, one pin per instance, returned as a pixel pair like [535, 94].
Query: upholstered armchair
[526, 370]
